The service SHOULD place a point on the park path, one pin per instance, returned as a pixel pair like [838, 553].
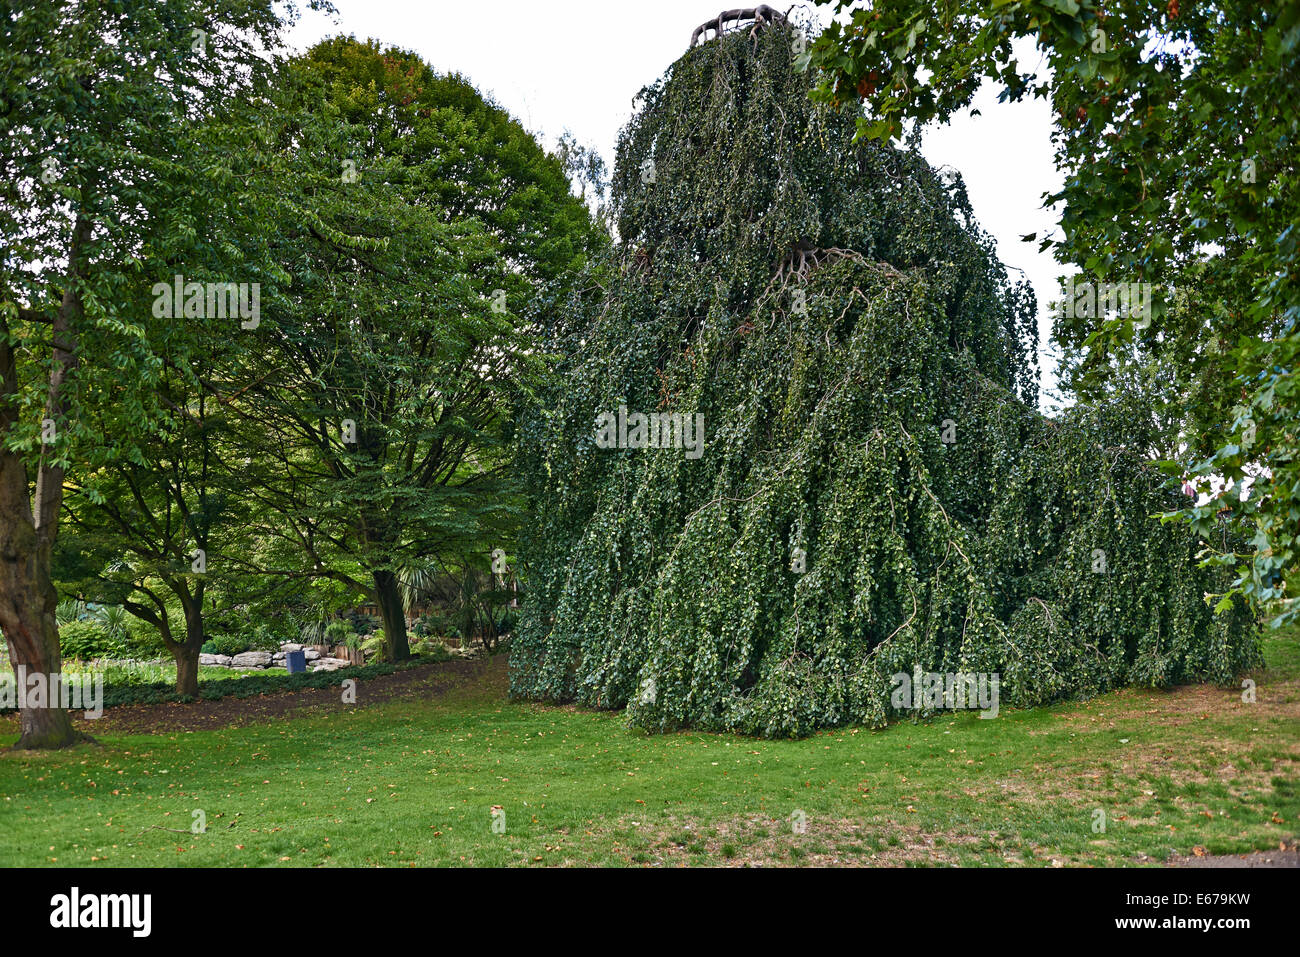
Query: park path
[434, 680]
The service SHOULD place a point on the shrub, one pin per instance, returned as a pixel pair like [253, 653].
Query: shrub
[432, 624]
[262, 638]
[143, 640]
[123, 686]
[230, 644]
[337, 632]
[67, 612]
[362, 624]
[373, 646]
[138, 675]
[422, 645]
[84, 640]
[275, 629]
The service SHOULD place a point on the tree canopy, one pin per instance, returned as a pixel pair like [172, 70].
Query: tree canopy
[104, 174]
[875, 493]
[266, 323]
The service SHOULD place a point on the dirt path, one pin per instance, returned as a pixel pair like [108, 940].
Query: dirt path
[436, 679]
[1286, 855]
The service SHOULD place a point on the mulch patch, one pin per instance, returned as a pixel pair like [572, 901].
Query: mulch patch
[431, 680]
[1286, 855]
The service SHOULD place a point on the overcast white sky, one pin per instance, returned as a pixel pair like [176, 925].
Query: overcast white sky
[577, 64]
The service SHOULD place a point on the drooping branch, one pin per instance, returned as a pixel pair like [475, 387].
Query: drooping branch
[762, 15]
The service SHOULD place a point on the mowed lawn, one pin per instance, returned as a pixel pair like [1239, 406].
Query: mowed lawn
[413, 782]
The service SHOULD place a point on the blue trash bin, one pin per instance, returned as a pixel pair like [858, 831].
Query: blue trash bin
[296, 661]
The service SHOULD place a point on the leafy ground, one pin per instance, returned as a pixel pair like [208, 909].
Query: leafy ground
[412, 779]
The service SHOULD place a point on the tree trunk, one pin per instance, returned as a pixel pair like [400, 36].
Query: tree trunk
[27, 603]
[28, 527]
[27, 595]
[186, 653]
[389, 596]
[187, 669]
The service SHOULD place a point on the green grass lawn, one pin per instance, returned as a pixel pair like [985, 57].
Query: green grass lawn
[413, 782]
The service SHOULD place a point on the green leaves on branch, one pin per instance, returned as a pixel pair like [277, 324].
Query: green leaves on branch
[1176, 126]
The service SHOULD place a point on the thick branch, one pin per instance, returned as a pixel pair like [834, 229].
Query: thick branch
[762, 15]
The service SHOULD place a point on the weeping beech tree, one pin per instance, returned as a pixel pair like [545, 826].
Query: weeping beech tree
[875, 492]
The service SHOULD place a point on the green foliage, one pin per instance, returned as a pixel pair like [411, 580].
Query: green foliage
[230, 643]
[1175, 128]
[93, 133]
[114, 620]
[390, 369]
[87, 639]
[144, 640]
[864, 371]
[145, 685]
[263, 637]
[137, 674]
[67, 611]
[338, 632]
[372, 646]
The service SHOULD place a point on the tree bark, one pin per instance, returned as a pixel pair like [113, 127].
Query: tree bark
[762, 14]
[187, 669]
[27, 532]
[186, 653]
[27, 603]
[389, 597]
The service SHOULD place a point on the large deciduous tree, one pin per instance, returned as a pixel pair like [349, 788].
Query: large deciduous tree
[427, 234]
[868, 491]
[98, 176]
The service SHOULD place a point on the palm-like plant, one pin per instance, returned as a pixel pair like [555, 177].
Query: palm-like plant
[113, 618]
[338, 633]
[419, 583]
[67, 611]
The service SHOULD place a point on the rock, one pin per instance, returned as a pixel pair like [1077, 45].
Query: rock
[288, 646]
[251, 659]
[327, 664]
[220, 661]
[337, 662]
[312, 654]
